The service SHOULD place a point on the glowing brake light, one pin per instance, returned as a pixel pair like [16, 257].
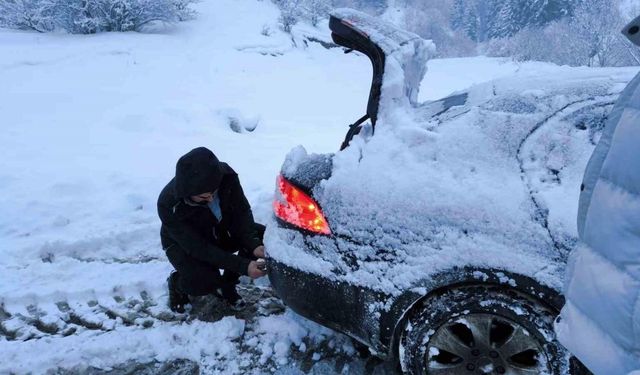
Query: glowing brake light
[295, 207]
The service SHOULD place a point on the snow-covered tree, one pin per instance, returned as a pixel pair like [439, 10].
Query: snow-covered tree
[431, 19]
[90, 16]
[375, 7]
[590, 37]
[38, 15]
[572, 32]
[514, 15]
[474, 17]
[316, 10]
[289, 13]
[80, 17]
[596, 26]
[489, 19]
[183, 9]
[538, 43]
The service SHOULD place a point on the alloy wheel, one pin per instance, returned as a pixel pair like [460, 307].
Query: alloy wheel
[484, 344]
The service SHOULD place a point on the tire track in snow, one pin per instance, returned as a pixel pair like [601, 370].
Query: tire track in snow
[268, 331]
[101, 315]
[541, 214]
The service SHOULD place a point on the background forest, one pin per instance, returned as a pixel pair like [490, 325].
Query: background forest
[566, 32]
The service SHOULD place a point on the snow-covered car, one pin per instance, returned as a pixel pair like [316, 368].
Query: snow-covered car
[439, 234]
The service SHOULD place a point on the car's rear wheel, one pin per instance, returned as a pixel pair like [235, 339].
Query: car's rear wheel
[482, 329]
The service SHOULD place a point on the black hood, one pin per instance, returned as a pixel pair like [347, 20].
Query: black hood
[199, 171]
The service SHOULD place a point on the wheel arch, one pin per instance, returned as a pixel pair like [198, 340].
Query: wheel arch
[392, 323]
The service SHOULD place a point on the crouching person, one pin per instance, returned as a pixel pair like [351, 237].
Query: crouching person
[205, 220]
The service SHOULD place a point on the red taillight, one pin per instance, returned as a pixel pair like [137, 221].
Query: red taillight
[297, 208]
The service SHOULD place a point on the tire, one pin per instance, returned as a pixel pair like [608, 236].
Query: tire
[483, 329]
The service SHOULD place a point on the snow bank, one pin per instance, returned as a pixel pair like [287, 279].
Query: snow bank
[276, 336]
[91, 129]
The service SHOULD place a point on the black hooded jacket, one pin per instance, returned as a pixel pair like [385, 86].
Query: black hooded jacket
[191, 227]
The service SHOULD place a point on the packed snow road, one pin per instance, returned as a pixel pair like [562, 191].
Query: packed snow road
[124, 335]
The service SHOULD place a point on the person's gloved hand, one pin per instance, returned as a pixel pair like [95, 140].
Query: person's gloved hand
[258, 252]
[254, 272]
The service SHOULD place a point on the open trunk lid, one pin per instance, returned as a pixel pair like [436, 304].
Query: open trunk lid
[399, 58]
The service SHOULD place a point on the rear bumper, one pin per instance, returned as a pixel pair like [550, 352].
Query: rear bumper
[338, 305]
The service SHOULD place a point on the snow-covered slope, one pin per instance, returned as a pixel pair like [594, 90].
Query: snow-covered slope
[93, 125]
[91, 129]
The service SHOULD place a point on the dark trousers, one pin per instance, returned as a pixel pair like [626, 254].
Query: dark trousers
[198, 278]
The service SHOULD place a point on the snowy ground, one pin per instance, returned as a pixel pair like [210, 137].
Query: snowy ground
[91, 129]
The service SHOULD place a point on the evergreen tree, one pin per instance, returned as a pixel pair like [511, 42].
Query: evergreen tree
[475, 17]
[489, 19]
[508, 20]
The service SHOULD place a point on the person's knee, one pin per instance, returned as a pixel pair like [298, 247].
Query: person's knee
[198, 285]
[195, 278]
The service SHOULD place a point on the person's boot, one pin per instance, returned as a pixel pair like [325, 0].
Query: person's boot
[177, 299]
[230, 294]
